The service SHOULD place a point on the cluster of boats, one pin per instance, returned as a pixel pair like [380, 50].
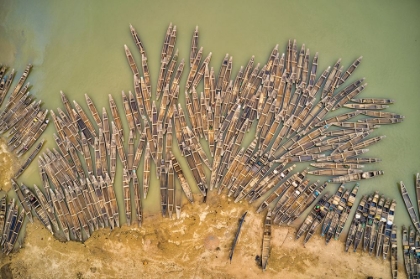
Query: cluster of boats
[284, 99]
[411, 237]
[372, 224]
[22, 118]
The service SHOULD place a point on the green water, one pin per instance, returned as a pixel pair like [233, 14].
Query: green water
[77, 47]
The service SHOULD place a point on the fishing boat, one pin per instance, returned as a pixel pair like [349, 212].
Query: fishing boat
[394, 253]
[346, 212]
[406, 252]
[338, 212]
[375, 227]
[235, 240]
[373, 101]
[370, 220]
[36, 206]
[266, 241]
[388, 230]
[409, 206]
[381, 228]
[355, 222]
[357, 176]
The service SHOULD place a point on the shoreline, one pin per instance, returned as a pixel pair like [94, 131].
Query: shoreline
[195, 246]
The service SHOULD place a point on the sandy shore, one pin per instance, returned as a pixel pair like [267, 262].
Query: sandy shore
[195, 246]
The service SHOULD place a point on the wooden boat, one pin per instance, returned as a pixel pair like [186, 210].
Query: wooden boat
[335, 172]
[388, 230]
[127, 195]
[417, 181]
[266, 241]
[194, 46]
[93, 111]
[383, 114]
[346, 212]
[235, 240]
[365, 106]
[409, 206]
[120, 147]
[128, 113]
[394, 253]
[131, 61]
[307, 223]
[348, 93]
[85, 119]
[381, 121]
[36, 206]
[14, 231]
[30, 159]
[152, 143]
[3, 208]
[171, 190]
[10, 212]
[113, 156]
[303, 202]
[373, 101]
[21, 81]
[375, 226]
[366, 143]
[146, 171]
[136, 39]
[163, 180]
[135, 111]
[82, 205]
[113, 199]
[197, 175]
[357, 176]
[336, 215]
[116, 116]
[77, 229]
[139, 151]
[23, 200]
[411, 244]
[137, 199]
[130, 152]
[194, 68]
[370, 220]
[100, 201]
[159, 152]
[381, 228]
[90, 203]
[181, 178]
[406, 252]
[4, 88]
[63, 213]
[355, 223]
[337, 166]
[281, 208]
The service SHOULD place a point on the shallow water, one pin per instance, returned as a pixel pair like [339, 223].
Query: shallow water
[77, 47]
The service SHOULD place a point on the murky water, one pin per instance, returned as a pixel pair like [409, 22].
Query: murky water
[77, 47]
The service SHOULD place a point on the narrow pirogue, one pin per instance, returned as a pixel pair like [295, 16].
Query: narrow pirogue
[266, 241]
[409, 205]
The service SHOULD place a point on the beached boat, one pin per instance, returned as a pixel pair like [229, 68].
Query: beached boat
[388, 230]
[381, 228]
[355, 223]
[394, 253]
[406, 252]
[409, 205]
[3, 208]
[181, 178]
[370, 220]
[375, 226]
[338, 212]
[36, 206]
[266, 241]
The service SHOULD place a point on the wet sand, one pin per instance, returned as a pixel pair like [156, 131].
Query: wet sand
[195, 246]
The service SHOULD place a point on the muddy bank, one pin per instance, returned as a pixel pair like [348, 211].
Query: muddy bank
[8, 166]
[196, 246]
